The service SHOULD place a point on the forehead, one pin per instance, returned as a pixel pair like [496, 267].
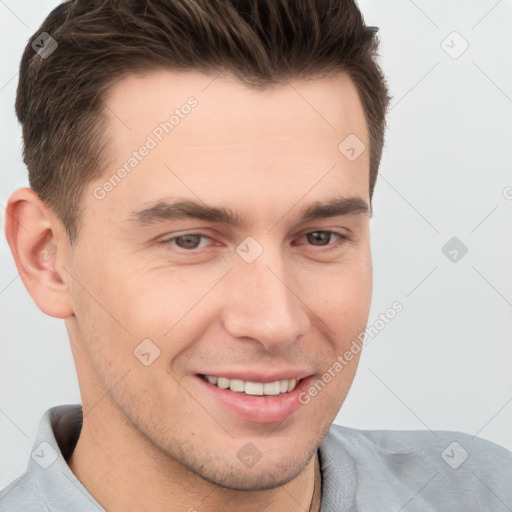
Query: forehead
[230, 112]
[181, 133]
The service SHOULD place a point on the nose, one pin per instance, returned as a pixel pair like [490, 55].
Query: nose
[262, 304]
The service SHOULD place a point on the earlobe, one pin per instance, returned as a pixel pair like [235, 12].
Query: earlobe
[39, 246]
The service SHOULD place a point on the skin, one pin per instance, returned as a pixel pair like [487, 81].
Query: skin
[152, 438]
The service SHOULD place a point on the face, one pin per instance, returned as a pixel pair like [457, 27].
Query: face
[235, 246]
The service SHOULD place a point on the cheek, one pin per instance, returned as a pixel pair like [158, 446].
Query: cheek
[104, 314]
[123, 301]
[342, 297]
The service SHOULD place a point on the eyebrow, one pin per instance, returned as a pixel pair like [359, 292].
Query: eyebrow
[187, 209]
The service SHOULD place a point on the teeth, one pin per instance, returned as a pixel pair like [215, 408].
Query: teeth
[253, 388]
[272, 388]
[236, 385]
[223, 383]
[212, 380]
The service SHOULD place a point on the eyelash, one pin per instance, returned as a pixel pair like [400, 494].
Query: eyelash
[341, 239]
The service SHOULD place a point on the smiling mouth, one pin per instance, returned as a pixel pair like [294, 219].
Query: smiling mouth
[253, 388]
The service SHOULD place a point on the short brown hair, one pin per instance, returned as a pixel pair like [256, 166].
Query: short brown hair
[261, 42]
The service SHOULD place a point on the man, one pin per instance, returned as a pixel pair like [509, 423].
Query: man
[201, 181]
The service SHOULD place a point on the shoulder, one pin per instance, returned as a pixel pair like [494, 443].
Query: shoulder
[398, 440]
[451, 447]
[40, 483]
[22, 495]
[434, 468]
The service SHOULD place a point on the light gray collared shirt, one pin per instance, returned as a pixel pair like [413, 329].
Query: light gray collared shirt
[362, 471]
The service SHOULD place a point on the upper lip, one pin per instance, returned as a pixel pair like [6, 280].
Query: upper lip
[259, 376]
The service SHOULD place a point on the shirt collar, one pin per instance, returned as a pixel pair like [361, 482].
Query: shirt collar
[56, 438]
[61, 490]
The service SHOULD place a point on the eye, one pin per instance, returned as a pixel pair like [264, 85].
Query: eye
[188, 241]
[322, 238]
[193, 241]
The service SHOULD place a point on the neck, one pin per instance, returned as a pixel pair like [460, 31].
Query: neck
[123, 471]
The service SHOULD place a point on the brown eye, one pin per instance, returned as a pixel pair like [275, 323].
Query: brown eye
[189, 241]
[321, 238]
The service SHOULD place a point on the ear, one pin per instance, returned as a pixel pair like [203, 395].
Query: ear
[41, 249]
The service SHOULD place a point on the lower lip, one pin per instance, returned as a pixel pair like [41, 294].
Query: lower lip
[258, 409]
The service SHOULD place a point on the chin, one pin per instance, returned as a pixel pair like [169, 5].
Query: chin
[267, 473]
[251, 480]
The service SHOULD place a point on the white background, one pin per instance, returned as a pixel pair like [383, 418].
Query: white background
[445, 361]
